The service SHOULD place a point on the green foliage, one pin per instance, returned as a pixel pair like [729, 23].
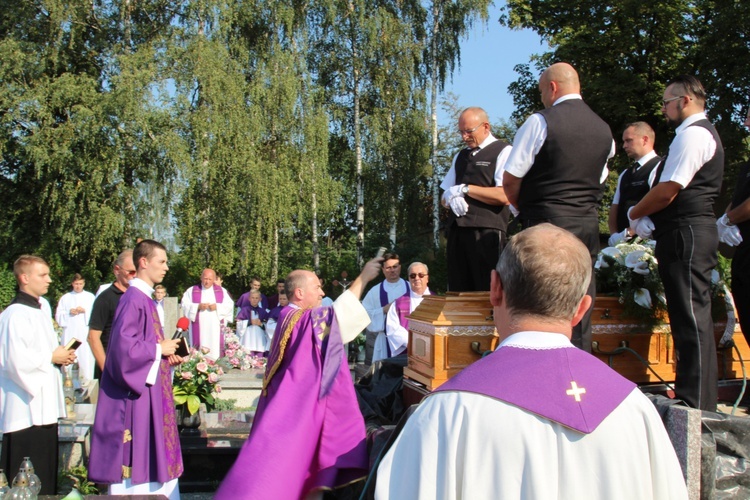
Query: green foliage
[225, 404]
[76, 477]
[7, 287]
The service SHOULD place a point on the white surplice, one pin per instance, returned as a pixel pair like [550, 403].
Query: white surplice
[77, 326]
[209, 321]
[31, 390]
[461, 445]
[254, 338]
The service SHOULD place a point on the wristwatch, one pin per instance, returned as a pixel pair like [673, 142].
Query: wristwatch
[465, 189]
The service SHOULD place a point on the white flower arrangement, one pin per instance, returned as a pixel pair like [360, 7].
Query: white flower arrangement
[631, 271]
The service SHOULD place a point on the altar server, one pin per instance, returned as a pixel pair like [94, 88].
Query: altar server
[31, 394]
[72, 314]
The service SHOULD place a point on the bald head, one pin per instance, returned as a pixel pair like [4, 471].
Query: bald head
[303, 289]
[558, 80]
[474, 126]
[208, 278]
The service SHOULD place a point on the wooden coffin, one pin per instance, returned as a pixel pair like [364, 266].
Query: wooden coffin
[446, 334]
[443, 328]
[615, 335]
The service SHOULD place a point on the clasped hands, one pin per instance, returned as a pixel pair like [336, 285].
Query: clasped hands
[728, 232]
[643, 226]
[456, 200]
[206, 307]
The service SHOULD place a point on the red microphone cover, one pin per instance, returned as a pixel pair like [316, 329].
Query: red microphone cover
[183, 323]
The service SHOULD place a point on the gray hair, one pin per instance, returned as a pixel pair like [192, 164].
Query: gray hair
[545, 272]
[408, 271]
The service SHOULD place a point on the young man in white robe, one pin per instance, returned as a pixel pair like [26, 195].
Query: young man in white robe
[208, 308]
[72, 314]
[537, 418]
[31, 393]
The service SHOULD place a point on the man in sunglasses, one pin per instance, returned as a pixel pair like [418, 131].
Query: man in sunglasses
[396, 324]
[105, 305]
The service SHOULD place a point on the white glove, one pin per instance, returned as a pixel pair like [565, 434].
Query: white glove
[728, 232]
[618, 237]
[459, 206]
[514, 211]
[456, 191]
[643, 227]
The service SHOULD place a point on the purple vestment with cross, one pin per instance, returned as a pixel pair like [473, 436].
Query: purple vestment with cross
[563, 384]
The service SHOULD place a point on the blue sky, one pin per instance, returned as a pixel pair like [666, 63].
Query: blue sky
[488, 56]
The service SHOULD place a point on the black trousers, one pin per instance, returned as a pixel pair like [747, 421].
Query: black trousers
[741, 285]
[39, 443]
[585, 229]
[472, 255]
[686, 256]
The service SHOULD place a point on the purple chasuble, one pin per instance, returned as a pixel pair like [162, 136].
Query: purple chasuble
[302, 439]
[566, 385]
[274, 313]
[135, 424]
[196, 298]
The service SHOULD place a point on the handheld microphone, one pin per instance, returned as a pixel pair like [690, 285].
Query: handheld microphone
[182, 326]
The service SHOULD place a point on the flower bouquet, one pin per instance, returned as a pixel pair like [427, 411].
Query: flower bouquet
[235, 356]
[631, 271]
[196, 380]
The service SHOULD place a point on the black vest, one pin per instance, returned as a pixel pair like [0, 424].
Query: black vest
[742, 193]
[633, 187]
[564, 180]
[479, 170]
[694, 204]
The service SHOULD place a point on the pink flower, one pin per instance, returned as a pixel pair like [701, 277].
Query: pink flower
[186, 375]
[202, 367]
[213, 378]
[220, 371]
[229, 353]
[234, 361]
[218, 388]
[205, 350]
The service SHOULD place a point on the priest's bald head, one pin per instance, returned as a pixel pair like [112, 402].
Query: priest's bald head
[208, 278]
[540, 282]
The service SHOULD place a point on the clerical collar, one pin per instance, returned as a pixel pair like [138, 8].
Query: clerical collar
[25, 299]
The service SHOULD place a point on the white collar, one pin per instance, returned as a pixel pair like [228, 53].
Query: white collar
[142, 286]
[690, 120]
[646, 158]
[567, 97]
[537, 340]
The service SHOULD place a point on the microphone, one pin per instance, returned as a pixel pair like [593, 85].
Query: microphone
[182, 326]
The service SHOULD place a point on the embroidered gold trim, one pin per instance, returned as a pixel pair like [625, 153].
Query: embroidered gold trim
[126, 472]
[126, 436]
[292, 320]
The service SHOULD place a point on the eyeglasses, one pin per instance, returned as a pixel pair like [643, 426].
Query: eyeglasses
[667, 101]
[413, 276]
[469, 131]
[130, 273]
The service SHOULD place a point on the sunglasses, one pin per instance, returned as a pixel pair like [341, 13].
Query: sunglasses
[415, 275]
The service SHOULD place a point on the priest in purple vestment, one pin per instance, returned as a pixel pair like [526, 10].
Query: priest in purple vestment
[308, 434]
[537, 418]
[135, 447]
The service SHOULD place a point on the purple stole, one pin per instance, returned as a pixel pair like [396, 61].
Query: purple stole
[402, 304]
[219, 295]
[565, 385]
[384, 295]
